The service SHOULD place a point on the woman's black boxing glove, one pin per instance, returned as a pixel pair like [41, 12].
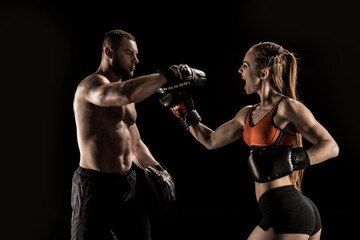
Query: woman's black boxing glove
[182, 106]
[299, 158]
[271, 163]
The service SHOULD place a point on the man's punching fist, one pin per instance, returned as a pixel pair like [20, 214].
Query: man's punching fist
[181, 77]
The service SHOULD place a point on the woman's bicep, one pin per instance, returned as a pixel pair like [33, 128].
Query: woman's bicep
[324, 146]
[231, 130]
[306, 124]
[227, 133]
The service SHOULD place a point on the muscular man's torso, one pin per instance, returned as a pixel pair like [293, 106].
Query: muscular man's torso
[104, 134]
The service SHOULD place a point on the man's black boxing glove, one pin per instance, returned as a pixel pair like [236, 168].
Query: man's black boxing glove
[181, 77]
[270, 163]
[182, 106]
[162, 186]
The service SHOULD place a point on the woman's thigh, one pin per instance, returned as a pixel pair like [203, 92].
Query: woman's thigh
[259, 234]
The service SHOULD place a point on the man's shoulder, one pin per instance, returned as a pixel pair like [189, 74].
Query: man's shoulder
[89, 82]
[93, 80]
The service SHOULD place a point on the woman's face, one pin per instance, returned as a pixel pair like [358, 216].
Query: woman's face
[250, 73]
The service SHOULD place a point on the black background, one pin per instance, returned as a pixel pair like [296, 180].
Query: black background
[47, 47]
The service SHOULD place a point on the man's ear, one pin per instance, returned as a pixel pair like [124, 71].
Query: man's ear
[264, 73]
[108, 52]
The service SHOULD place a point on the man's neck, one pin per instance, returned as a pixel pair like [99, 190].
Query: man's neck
[106, 71]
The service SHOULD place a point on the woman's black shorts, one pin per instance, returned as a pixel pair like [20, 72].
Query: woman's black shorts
[287, 210]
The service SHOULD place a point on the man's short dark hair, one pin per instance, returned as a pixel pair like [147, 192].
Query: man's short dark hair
[113, 38]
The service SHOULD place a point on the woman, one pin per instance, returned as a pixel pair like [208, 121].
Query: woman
[273, 129]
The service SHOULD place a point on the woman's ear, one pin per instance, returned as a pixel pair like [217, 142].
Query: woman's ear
[108, 53]
[264, 73]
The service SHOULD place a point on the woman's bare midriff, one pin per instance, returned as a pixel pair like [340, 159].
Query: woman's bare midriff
[261, 188]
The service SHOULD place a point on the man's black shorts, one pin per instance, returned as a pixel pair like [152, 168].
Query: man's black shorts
[106, 206]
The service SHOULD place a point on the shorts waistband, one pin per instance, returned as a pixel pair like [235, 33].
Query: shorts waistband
[272, 192]
[90, 173]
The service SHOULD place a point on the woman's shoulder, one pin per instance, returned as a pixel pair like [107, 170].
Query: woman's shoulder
[243, 112]
[291, 107]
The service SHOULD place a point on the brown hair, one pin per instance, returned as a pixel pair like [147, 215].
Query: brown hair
[113, 38]
[282, 66]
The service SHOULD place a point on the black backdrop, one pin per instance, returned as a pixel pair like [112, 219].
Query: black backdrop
[47, 47]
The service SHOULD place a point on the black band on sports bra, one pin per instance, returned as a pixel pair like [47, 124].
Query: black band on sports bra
[278, 140]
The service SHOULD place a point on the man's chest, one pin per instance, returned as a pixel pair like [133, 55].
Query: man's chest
[126, 114]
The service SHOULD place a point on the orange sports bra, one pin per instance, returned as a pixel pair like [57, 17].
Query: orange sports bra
[265, 132]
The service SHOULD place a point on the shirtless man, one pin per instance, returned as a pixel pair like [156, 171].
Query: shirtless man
[104, 191]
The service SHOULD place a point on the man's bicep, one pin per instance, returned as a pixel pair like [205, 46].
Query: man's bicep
[106, 94]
